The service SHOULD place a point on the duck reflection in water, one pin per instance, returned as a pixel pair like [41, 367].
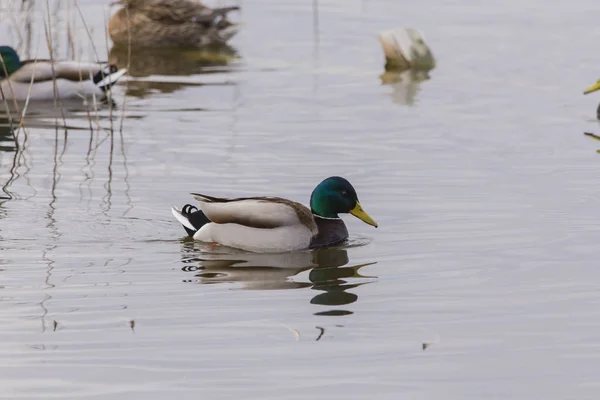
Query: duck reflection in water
[141, 63]
[329, 269]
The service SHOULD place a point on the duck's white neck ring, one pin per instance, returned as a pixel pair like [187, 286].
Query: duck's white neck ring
[318, 216]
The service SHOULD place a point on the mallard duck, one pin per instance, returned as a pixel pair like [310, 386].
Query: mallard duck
[591, 89]
[170, 23]
[70, 78]
[274, 224]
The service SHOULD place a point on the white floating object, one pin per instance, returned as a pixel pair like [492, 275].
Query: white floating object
[406, 49]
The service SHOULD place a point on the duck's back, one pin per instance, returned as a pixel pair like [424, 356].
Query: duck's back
[169, 11]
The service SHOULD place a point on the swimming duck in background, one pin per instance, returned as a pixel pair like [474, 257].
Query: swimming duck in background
[274, 224]
[73, 79]
[591, 89]
[170, 23]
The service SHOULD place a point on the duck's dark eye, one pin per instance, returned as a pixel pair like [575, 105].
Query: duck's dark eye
[344, 193]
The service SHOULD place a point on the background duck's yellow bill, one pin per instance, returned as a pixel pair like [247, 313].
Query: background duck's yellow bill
[593, 88]
[359, 213]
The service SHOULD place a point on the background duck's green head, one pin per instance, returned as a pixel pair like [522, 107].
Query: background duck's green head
[335, 195]
[10, 59]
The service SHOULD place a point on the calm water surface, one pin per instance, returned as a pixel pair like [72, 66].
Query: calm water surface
[485, 190]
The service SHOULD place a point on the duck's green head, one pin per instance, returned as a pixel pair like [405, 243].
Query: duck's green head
[593, 88]
[10, 59]
[335, 195]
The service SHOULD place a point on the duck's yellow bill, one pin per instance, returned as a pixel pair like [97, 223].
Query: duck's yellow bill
[359, 213]
[593, 88]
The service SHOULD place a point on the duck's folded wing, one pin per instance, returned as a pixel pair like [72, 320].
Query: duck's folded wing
[255, 212]
[45, 70]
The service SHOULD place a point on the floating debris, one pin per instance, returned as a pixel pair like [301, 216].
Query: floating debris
[429, 344]
[320, 333]
[132, 325]
[406, 49]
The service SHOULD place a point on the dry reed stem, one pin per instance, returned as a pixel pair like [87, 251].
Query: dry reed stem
[128, 67]
[108, 93]
[70, 41]
[87, 30]
[48, 31]
[91, 40]
[25, 106]
[16, 24]
[22, 120]
[78, 59]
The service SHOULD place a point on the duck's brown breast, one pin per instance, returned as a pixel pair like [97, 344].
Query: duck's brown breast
[331, 232]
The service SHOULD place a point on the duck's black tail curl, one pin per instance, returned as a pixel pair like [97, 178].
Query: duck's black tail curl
[108, 76]
[195, 217]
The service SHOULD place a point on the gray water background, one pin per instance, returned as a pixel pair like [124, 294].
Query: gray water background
[482, 182]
